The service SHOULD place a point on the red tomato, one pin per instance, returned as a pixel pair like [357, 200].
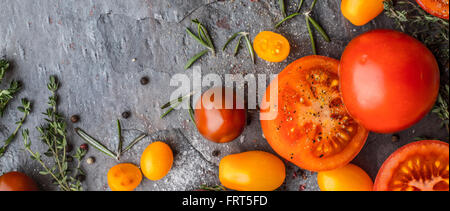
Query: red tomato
[418, 166]
[215, 121]
[16, 181]
[388, 80]
[312, 128]
[438, 8]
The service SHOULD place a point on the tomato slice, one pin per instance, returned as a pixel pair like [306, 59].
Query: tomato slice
[418, 166]
[438, 8]
[311, 127]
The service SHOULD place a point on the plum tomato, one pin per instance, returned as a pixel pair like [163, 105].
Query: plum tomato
[17, 181]
[271, 46]
[438, 8]
[311, 127]
[361, 12]
[347, 178]
[216, 119]
[252, 171]
[156, 160]
[124, 177]
[418, 166]
[388, 80]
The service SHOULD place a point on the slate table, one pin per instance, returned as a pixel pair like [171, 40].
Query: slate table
[100, 49]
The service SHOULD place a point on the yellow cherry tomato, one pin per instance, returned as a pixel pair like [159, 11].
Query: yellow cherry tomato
[252, 171]
[271, 46]
[360, 12]
[156, 160]
[347, 178]
[124, 177]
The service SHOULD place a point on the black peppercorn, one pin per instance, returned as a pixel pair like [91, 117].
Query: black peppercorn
[216, 153]
[74, 118]
[126, 114]
[144, 80]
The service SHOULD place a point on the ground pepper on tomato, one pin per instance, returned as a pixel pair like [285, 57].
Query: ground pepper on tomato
[311, 127]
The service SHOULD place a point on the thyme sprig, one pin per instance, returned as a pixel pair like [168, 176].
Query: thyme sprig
[434, 33]
[248, 44]
[25, 109]
[7, 94]
[54, 135]
[204, 39]
[309, 21]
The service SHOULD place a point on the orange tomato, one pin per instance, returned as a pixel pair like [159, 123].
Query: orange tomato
[252, 171]
[156, 160]
[347, 178]
[311, 128]
[124, 177]
[360, 12]
[418, 166]
[438, 8]
[16, 181]
[271, 46]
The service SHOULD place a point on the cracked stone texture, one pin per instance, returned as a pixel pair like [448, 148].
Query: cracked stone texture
[99, 49]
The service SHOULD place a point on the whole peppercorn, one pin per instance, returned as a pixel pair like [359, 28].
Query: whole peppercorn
[216, 153]
[144, 80]
[75, 118]
[126, 114]
[395, 138]
[84, 146]
[81, 177]
[90, 160]
[69, 148]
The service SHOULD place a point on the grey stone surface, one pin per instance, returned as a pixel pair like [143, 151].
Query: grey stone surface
[99, 49]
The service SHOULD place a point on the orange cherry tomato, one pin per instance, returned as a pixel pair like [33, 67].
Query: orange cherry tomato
[216, 121]
[271, 46]
[388, 80]
[124, 177]
[418, 166]
[360, 12]
[17, 181]
[156, 160]
[438, 8]
[347, 178]
[252, 171]
[311, 127]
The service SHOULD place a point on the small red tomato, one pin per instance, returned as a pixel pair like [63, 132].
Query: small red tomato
[222, 118]
[388, 80]
[438, 8]
[16, 181]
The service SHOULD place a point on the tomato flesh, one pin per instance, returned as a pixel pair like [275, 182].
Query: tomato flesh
[312, 128]
[419, 166]
[438, 8]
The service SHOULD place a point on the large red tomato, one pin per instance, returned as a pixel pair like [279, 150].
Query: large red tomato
[418, 166]
[388, 80]
[17, 181]
[311, 127]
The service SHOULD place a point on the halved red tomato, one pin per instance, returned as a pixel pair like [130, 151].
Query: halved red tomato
[311, 127]
[418, 166]
[438, 8]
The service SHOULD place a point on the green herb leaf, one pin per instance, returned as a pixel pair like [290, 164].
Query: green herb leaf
[96, 144]
[134, 142]
[286, 18]
[249, 47]
[282, 7]
[319, 29]
[229, 40]
[194, 59]
[311, 36]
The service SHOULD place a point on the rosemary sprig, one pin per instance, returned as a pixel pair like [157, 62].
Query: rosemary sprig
[96, 144]
[204, 39]
[433, 32]
[172, 105]
[282, 7]
[213, 188]
[54, 135]
[248, 44]
[134, 142]
[7, 94]
[120, 140]
[309, 21]
[25, 109]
